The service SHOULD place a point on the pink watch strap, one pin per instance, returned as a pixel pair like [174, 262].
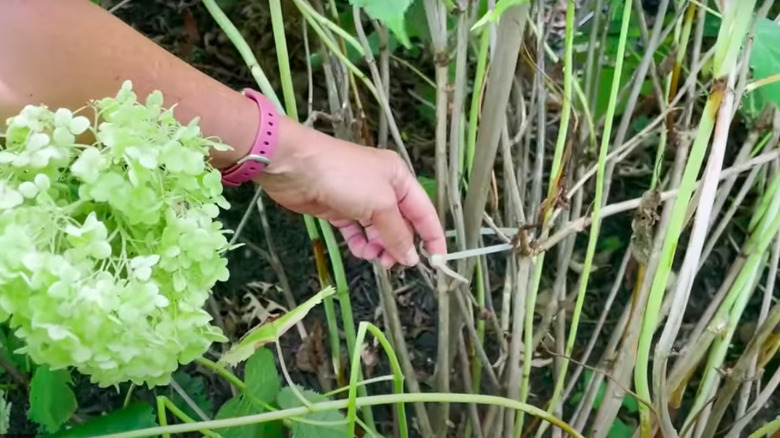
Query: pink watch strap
[247, 168]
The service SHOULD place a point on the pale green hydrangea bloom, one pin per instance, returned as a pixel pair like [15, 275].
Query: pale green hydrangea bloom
[110, 250]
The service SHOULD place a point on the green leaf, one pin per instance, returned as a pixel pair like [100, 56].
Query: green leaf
[753, 104]
[619, 429]
[391, 13]
[52, 402]
[10, 343]
[417, 23]
[239, 406]
[134, 417]
[287, 399]
[765, 58]
[429, 185]
[196, 390]
[261, 377]
[630, 403]
[586, 375]
[494, 15]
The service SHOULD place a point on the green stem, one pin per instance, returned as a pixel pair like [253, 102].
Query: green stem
[222, 372]
[672, 234]
[336, 51]
[476, 366]
[476, 100]
[243, 49]
[311, 12]
[283, 58]
[555, 173]
[355, 369]
[361, 383]
[235, 381]
[649, 323]
[341, 404]
[767, 429]
[762, 82]
[729, 313]
[342, 287]
[184, 417]
[291, 110]
[129, 395]
[414, 70]
[161, 418]
[342, 292]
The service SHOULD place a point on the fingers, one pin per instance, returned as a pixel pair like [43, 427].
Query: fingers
[363, 242]
[417, 208]
[397, 238]
[387, 260]
[353, 235]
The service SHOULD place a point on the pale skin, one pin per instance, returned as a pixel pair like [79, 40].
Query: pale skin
[63, 53]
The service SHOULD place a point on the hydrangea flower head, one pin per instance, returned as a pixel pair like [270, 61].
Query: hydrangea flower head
[110, 249]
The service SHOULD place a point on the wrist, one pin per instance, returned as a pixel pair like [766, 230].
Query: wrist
[263, 148]
[246, 122]
[293, 150]
[285, 146]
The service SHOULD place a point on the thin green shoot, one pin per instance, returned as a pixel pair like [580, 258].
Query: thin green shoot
[767, 429]
[366, 382]
[178, 413]
[161, 416]
[374, 400]
[398, 377]
[597, 202]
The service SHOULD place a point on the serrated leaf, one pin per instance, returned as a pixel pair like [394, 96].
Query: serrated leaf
[239, 406]
[261, 377]
[194, 387]
[134, 417]
[765, 57]
[52, 401]
[287, 399]
[5, 413]
[389, 12]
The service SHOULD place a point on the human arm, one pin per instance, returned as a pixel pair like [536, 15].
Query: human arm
[63, 53]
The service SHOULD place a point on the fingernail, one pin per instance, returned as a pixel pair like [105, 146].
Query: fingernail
[411, 258]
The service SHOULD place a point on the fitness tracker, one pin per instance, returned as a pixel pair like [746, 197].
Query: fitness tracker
[249, 166]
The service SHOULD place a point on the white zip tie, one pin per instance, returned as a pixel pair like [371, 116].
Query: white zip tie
[509, 232]
[440, 260]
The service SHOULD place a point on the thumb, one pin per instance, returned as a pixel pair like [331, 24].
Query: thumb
[396, 236]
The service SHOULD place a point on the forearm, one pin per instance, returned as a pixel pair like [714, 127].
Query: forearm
[62, 53]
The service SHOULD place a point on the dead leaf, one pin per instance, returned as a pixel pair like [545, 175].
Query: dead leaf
[370, 361]
[312, 358]
[256, 311]
[643, 225]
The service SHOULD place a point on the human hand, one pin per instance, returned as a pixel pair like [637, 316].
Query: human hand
[367, 193]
